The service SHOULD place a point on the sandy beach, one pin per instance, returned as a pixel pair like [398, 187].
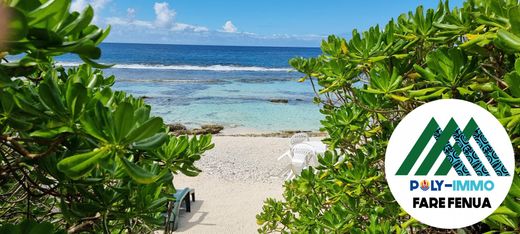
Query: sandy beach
[238, 175]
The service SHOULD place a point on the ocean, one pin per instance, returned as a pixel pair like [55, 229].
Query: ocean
[227, 85]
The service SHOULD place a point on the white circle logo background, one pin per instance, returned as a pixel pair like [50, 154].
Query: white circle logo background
[406, 135]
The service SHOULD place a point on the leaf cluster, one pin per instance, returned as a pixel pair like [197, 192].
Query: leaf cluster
[367, 84]
[75, 153]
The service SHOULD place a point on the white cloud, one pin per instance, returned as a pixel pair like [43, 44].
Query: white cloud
[229, 27]
[130, 13]
[80, 5]
[188, 27]
[97, 5]
[164, 19]
[129, 22]
[164, 28]
[164, 16]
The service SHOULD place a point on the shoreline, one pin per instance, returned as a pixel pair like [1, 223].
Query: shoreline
[252, 132]
[280, 134]
[223, 130]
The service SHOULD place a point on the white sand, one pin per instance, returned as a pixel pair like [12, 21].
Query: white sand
[238, 175]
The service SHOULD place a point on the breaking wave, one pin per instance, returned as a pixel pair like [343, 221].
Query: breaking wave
[223, 68]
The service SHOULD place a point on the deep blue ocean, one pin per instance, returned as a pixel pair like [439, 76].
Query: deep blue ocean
[229, 85]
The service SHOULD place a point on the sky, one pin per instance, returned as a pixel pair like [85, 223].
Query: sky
[240, 22]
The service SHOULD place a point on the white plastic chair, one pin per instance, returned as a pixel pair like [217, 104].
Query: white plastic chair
[299, 138]
[302, 155]
[295, 139]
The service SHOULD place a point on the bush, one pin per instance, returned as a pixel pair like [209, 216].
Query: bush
[368, 84]
[73, 152]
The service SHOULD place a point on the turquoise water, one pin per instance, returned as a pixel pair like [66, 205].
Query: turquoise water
[226, 85]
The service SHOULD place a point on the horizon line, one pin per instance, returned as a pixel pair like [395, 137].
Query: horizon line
[272, 46]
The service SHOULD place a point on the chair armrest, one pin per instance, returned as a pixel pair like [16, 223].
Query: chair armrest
[286, 154]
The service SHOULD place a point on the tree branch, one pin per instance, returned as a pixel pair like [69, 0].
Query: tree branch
[497, 79]
[23, 151]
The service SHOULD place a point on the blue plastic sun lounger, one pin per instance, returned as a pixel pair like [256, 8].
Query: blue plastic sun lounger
[173, 208]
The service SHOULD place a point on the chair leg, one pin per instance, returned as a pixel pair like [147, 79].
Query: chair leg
[289, 175]
[284, 171]
[169, 219]
[193, 195]
[188, 203]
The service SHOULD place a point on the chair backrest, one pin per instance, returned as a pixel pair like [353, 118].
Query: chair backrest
[299, 138]
[303, 152]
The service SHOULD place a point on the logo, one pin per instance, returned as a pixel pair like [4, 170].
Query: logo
[425, 185]
[455, 160]
[452, 152]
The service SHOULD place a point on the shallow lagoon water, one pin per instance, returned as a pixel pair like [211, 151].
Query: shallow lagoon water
[232, 86]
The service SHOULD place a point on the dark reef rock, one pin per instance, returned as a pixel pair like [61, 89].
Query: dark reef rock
[279, 100]
[176, 127]
[179, 129]
[212, 128]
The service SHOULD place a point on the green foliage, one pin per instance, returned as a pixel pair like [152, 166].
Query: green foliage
[31, 227]
[75, 154]
[42, 30]
[367, 84]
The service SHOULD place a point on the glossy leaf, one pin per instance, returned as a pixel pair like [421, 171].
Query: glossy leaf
[79, 165]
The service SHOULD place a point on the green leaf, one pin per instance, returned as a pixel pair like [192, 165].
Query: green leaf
[509, 100]
[139, 174]
[503, 219]
[95, 64]
[79, 165]
[76, 97]
[399, 98]
[145, 130]
[515, 187]
[513, 81]
[425, 73]
[435, 94]
[7, 103]
[507, 40]
[88, 50]
[17, 25]
[464, 91]
[151, 142]
[103, 36]
[512, 204]
[175, 147]
[50, 133]
[502, 210]
[42, 228]
[27, 105]
[123, 120]
[422, 92]
[79, 23]
[92, 126]
[50, 97]
[51, 8]
[514, 19]
[19, 124]
[517, 66]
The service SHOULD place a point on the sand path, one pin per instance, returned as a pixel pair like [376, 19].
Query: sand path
[238, 175]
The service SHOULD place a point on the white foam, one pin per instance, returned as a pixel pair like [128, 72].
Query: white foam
[223, 68]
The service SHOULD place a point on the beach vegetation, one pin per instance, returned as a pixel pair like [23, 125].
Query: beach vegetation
[367, 84]
[75, 154]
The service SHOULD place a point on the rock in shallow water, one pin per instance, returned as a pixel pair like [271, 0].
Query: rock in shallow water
[179, 129]
[212, 128]
[279, 100]
[176, 127]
